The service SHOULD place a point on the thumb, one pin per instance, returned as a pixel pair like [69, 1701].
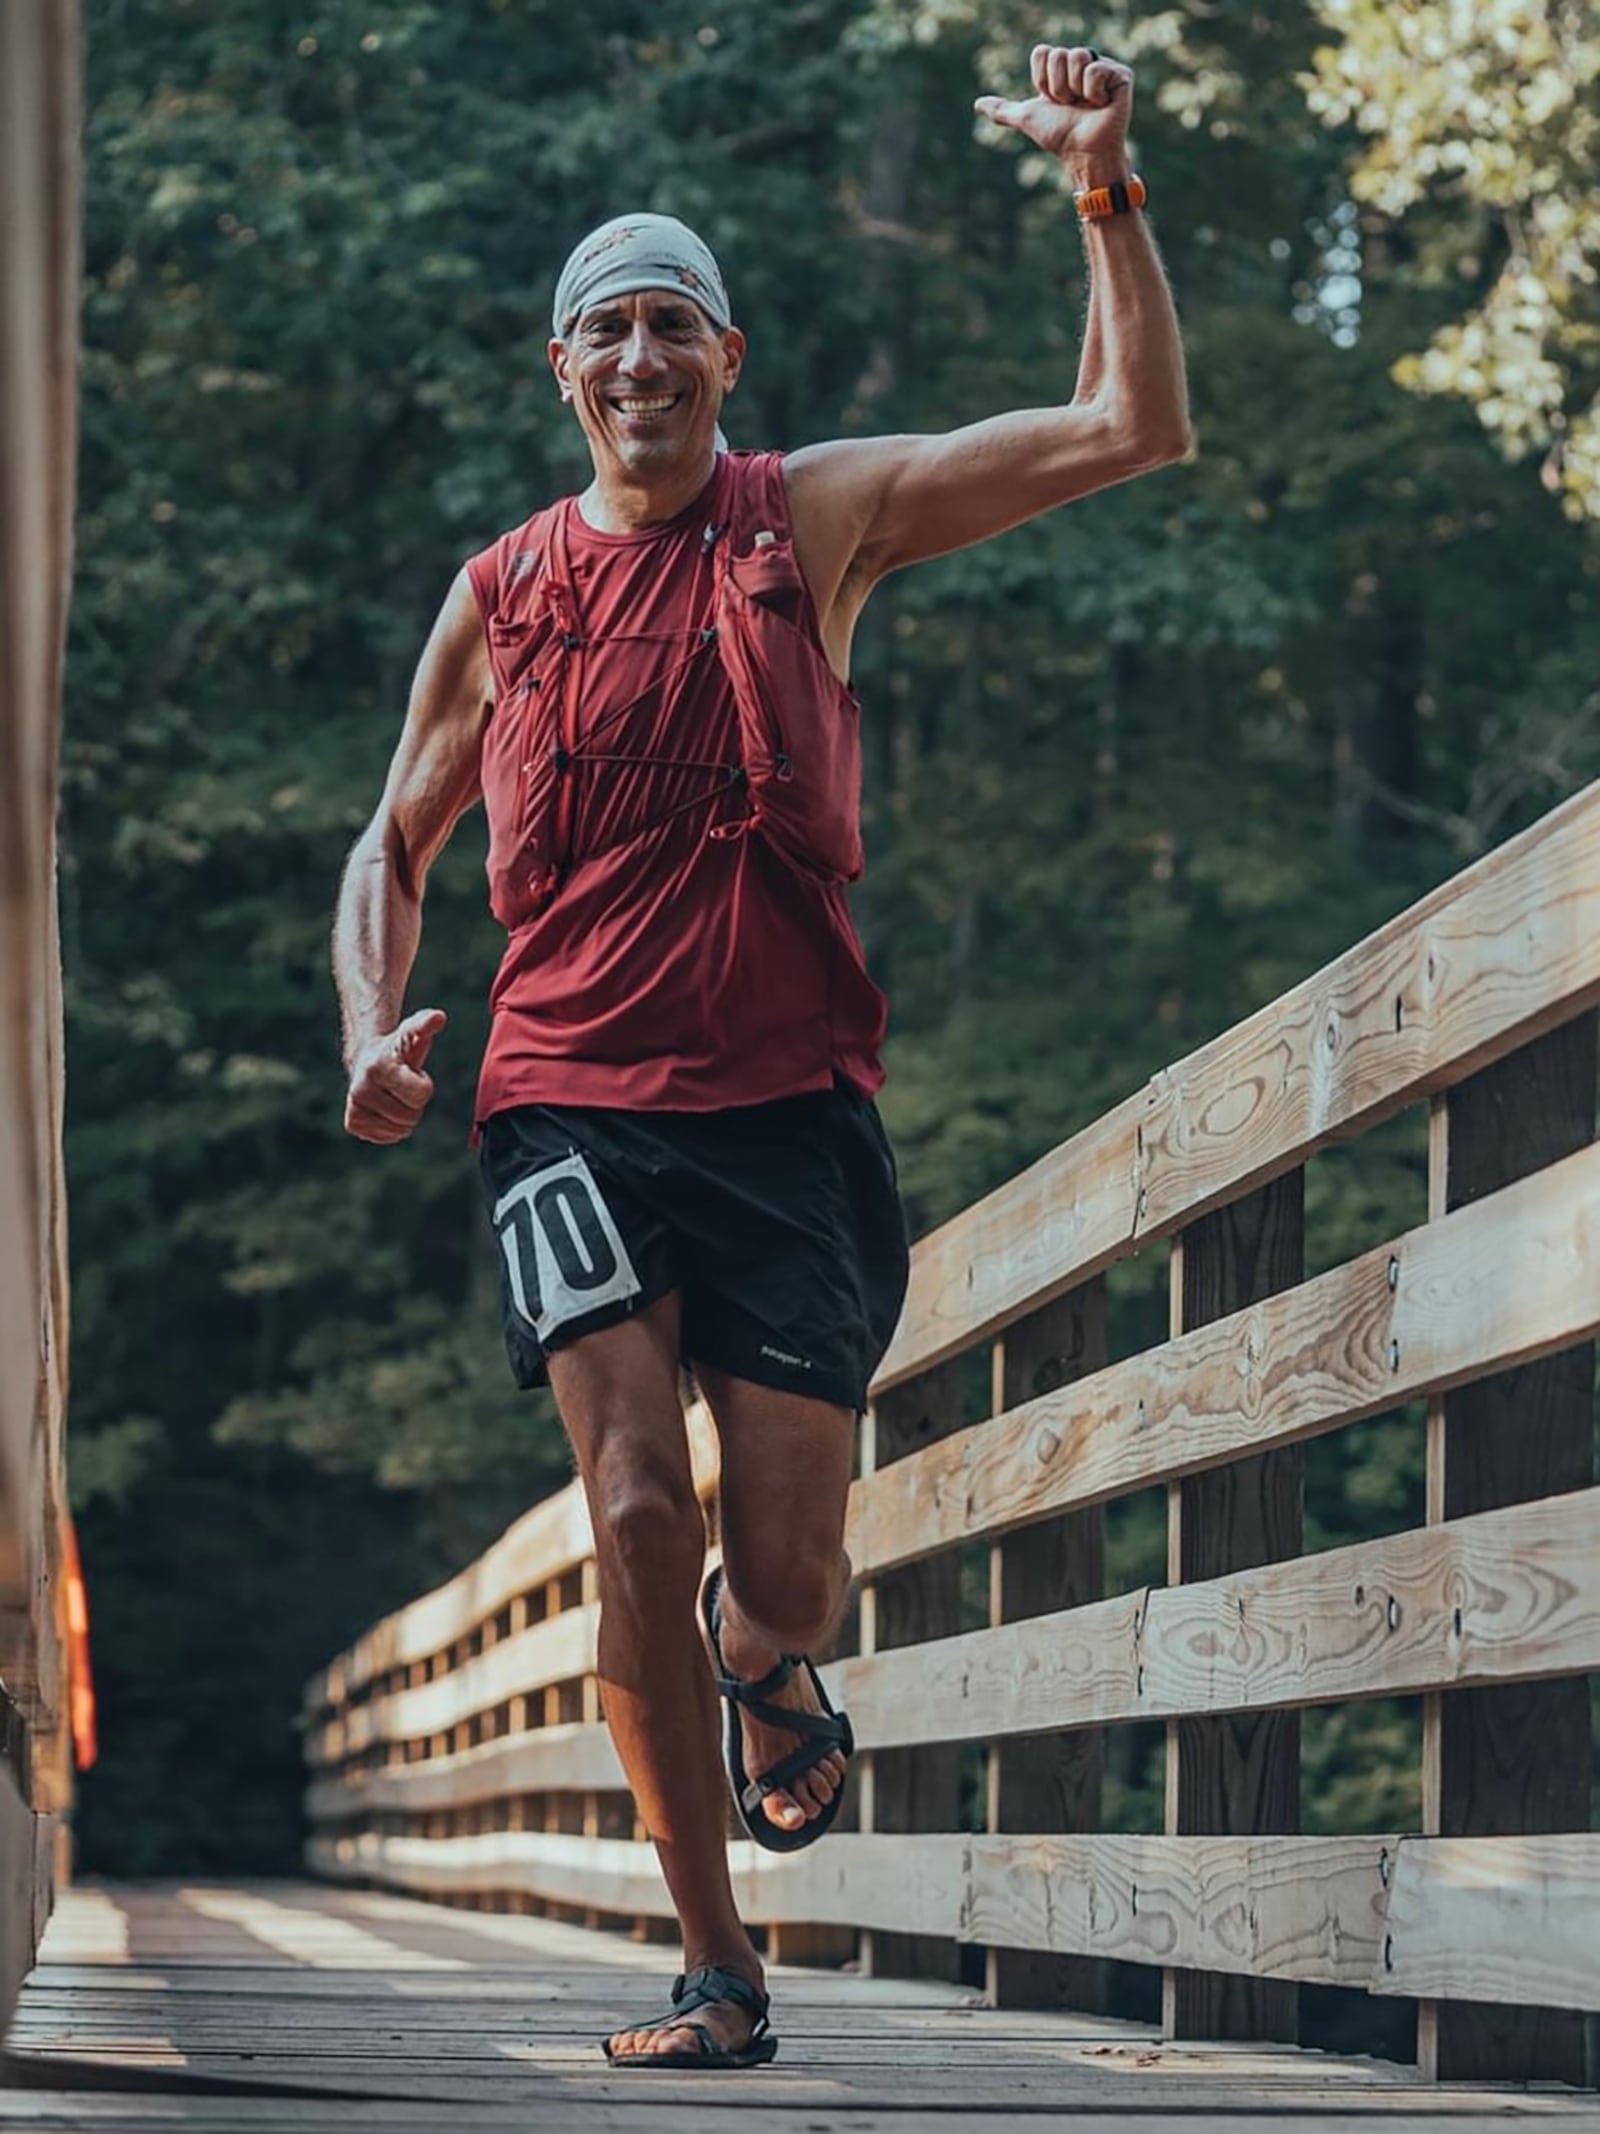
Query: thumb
[1001, 110]
[414, 1038]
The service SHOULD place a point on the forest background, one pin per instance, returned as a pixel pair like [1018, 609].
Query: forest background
[1131, 771]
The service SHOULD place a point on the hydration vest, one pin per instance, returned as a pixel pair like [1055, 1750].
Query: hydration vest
[798, 773]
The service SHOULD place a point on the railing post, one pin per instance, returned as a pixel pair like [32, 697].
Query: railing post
[1513, 1759]
[917, 1789]
[1238, 1775]
[1048, 1783]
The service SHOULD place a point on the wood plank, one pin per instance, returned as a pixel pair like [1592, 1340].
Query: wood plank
[1517, 1760]
[1504, 1920]
[1238, 1774]
[919, 1788]
[68, 2113]
[1281, 1908]
[516, 2033]
[18, 1860]
[1509, 1279]
[546, 1543]
[571, 1758]
[1048, 1782]
[560, 1649]
[1505, 1596]
[1485, 963]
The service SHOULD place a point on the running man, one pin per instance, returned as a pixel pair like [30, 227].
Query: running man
[647, 686]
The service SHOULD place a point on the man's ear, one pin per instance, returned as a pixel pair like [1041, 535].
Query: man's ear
[733, 348]
[558, 363]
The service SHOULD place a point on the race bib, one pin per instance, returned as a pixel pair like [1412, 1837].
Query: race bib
[564, 1254]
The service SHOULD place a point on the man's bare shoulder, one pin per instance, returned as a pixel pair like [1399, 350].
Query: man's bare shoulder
[835, 490]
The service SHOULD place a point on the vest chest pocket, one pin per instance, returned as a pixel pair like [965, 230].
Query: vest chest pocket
[799, 728]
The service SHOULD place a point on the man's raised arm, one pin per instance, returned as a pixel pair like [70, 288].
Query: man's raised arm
[864, 507]
[432, 781]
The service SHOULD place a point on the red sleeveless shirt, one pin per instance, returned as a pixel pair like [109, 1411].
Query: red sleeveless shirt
[674, 944]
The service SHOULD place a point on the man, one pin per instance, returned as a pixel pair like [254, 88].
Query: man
[646, 686]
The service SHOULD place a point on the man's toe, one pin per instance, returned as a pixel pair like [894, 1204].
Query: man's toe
[784, 1810]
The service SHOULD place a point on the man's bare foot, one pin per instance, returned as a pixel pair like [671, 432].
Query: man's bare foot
[728, 2024]
[746, 1656]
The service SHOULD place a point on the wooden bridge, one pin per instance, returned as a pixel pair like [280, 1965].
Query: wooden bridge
[977, 1942]
[982, 1941]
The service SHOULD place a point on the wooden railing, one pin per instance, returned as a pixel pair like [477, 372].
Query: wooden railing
[456, 1748]
[38, 360]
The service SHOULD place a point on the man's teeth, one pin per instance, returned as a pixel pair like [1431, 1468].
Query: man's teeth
[657, 405]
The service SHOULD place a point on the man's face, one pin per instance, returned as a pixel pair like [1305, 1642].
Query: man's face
[647, 375]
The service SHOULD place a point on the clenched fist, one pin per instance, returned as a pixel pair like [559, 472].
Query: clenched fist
[389, 1087]
[1080, 109]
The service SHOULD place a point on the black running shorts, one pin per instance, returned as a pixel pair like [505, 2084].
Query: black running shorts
[780, 1223]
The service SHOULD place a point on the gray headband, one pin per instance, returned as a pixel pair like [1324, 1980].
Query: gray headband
[635, 252]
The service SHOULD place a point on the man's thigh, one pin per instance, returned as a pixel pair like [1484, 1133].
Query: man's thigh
[617, 1394]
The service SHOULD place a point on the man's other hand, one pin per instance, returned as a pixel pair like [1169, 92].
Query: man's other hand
[1080, 109]
[389, 1086]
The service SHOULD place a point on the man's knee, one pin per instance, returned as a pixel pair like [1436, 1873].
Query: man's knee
[650, 1536]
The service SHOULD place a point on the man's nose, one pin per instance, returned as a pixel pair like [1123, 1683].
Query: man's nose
[641, 354]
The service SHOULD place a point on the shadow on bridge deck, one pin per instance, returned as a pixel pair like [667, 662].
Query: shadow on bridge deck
[261, 2007]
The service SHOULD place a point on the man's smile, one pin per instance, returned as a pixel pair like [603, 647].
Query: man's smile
[644, 407]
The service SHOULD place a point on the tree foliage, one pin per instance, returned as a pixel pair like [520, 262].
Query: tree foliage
[1492, 114]
[1132, 770]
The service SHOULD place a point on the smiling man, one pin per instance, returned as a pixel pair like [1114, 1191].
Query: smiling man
[647, 686]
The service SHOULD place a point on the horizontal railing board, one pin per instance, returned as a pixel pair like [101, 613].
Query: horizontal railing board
[1485, 963]
[1495, 1919]
[545, 1543]
[1514, 1276]
[1508, 1595]
[571, 1758]
[1278, 1907]
[560, 1649]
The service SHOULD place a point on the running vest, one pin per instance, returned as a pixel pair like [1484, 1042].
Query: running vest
[671, 774]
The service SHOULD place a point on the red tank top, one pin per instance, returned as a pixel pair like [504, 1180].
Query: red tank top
[668, 949]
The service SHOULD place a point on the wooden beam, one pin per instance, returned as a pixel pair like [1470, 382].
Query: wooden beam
[1508, 1596]
[916, 1789]
[1513, 1277]
[1516, 1761]
[563, 1758]
[1509, 1921]
[1277, 1909]
[1487, 962]
[1048, 1782]
[1238, 1775]
[558, 1650]
[546, 1544]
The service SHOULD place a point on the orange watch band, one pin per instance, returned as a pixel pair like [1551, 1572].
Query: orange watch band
[1097, 201]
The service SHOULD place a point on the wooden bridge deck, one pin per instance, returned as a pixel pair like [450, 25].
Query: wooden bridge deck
[267, 2007]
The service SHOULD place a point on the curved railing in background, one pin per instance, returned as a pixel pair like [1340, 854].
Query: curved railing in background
[39, 244]
[456, 1749]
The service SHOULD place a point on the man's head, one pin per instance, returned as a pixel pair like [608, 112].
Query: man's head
[644, 347]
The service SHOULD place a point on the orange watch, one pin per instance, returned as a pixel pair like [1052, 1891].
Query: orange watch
[1098, 201]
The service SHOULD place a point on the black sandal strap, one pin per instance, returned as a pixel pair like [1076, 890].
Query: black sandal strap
[749, 1693]
[710, 1983]
[816, 1726]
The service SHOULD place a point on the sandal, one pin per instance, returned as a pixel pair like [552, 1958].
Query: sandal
[821, 1733]
[702, 1989]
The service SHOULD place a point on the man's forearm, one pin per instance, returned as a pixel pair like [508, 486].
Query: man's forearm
[376, 933]
[1131, 361]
